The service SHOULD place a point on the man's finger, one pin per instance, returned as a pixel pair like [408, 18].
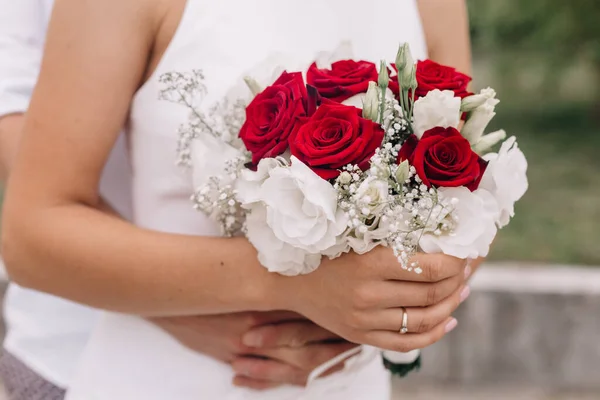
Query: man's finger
[269, 370]
[244, 381]
[307, 357]
[272, 317]
[287, 334]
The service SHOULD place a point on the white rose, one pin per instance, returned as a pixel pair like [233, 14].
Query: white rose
[300, 210]
[479, 120]
[438, 108]
[474, 229]
[506, 178]
[372, 194]
[209, 156]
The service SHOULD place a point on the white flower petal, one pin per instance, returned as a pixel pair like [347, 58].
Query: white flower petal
[506, 178]
[478, 120]
[293, 216]
[475, 229]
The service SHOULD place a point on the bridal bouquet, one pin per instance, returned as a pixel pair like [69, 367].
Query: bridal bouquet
[347, 156]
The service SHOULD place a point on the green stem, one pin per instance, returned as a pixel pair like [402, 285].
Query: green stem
[382, 104]
[412, 106]
[406, 104]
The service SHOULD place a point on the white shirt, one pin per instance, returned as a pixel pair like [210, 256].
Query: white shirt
[47, 333]
[129, 358]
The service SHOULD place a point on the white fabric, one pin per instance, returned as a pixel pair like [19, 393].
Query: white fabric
[128, 358]
[46, 333]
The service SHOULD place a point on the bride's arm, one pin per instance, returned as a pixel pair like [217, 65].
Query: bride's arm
[92, 67]
[446, 27]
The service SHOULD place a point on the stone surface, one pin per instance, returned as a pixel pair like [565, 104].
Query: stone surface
[533, 338]
[404, 391]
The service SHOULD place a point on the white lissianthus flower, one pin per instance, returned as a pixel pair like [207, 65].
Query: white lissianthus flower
[478, 120]
[470, 103]
[506, 178]
[473, 224]
[274, 254]
[297, 207]
[374, 234]
[488, 141]
[437, 108]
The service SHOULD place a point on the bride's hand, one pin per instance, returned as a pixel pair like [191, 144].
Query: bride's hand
[359, 298]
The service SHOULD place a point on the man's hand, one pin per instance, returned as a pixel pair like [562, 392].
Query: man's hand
[265, 349]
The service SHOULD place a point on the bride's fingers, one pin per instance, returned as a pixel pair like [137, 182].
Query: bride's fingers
[291, 334]
[389, 340]
[414, 294]
[434, 268]
[420, 319]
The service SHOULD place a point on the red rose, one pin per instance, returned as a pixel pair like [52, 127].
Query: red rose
[431, 75]
[344, 79]
[335, 136]
[273, 115]
[443, 158]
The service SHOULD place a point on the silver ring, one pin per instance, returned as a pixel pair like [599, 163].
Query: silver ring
[404, 327]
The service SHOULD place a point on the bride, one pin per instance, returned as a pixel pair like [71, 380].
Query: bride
[100, 72]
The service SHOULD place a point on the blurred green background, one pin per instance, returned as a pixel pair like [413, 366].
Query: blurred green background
[543, 58]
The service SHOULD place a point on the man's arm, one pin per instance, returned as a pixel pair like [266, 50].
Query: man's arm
[446, 27]
[22, 31]
[10, 130]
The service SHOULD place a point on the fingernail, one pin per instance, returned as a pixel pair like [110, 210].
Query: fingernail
[465, 293]
[252, 339]
[451, 325]
[468, 271]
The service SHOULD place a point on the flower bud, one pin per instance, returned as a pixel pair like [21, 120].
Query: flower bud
[401, 57]
[345, 178]
[384, 77]
[407, 74]
[470, 103]
[488, 141]
[371, 103]
[253, 85]
[403, 171]
[413, 79]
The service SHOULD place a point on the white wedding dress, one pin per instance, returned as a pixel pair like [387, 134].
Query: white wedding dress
[130, 359]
